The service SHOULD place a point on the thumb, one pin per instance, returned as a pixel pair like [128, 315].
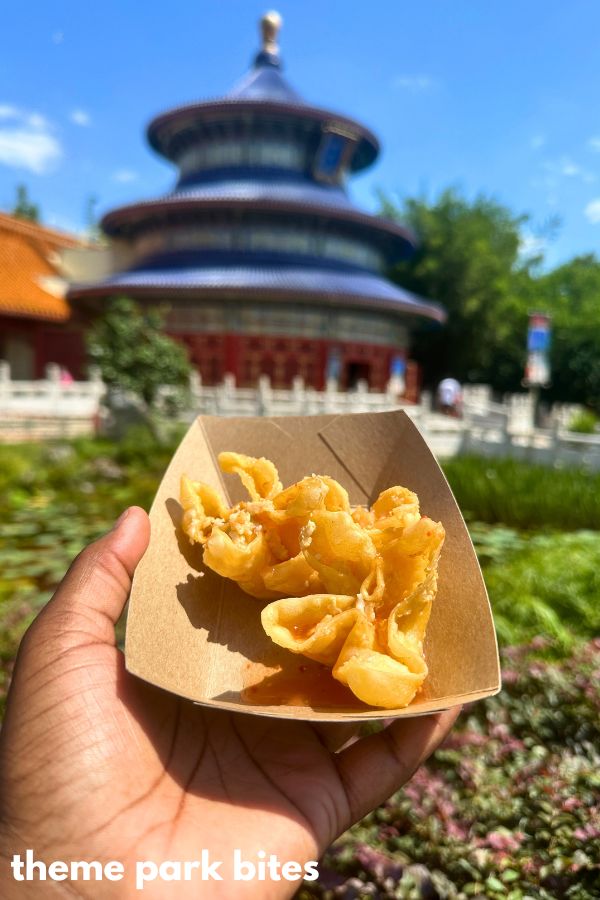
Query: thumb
[93, 593]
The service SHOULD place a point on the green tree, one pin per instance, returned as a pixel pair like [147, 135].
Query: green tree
[133, 353]
[571, 294]
[92, 225]
[24, 208]
[468, 260]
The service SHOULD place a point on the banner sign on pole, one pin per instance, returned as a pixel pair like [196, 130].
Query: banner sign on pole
[537, 369]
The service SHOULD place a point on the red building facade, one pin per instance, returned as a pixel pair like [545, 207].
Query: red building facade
[311, 343]
[36, 322]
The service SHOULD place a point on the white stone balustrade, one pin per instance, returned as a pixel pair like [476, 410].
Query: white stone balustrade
[51, 408]
[48, 407]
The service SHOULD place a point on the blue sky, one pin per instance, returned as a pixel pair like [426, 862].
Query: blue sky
[494, 97]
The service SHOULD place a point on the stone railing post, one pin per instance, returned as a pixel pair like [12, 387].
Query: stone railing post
[96, 385]
[53, 387]
[311, 404]
[264, 395]
[229, 384]
[330, 396]
[53, 373]
[5, 382]
[521, 413]
[196, 390]
[298, 395]
[395, 387]
[225, 395]
[298, 389]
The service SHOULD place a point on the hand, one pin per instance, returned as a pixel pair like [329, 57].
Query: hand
[98, 765]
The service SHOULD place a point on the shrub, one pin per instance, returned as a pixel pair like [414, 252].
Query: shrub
[541, 584]
[524, 496]
[585, 422]
[133, 353]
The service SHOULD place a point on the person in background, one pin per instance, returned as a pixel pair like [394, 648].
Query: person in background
[449, 397]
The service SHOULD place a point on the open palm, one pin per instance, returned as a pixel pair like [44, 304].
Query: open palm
[98, 765]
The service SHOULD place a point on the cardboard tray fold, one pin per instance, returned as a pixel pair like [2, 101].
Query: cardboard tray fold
[198, 635]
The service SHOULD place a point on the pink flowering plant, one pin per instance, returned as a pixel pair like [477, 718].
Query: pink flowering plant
[508, 808]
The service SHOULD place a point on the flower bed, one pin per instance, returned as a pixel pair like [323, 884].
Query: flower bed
[509, 807]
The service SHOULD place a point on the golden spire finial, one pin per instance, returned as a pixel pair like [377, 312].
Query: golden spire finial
[269, 25]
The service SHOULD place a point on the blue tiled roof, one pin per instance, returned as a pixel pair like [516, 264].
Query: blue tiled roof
[336, 288]
[300, 191]
[301, 194]
[264, 82]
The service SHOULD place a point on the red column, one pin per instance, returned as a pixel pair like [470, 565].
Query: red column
[321, 351]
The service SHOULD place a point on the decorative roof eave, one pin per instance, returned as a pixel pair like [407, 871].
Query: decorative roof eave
[138, 212]
[52, 236]
[161, 128]
[436, 313]
[27, 309]
[31, 269]
[324, 291]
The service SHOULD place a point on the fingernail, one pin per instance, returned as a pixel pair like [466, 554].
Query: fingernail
[121, 519]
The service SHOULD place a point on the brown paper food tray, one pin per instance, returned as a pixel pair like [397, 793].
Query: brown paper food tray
[201, 637]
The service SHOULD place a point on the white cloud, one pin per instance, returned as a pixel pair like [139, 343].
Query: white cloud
[26, 140]
[592, 211]
[123, 176]
[414, 82]
[23, 149]
[537, 141]
[531, 245]
[594, 144]
[32, 119]
[37, 121]
[58, 37]
[80, 117]
[566, 168]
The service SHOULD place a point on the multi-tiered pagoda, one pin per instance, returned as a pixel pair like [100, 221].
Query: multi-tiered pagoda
[265, 264]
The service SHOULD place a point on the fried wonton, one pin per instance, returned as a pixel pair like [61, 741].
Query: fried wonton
[350, 588]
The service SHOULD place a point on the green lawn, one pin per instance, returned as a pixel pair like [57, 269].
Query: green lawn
[54, 499]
